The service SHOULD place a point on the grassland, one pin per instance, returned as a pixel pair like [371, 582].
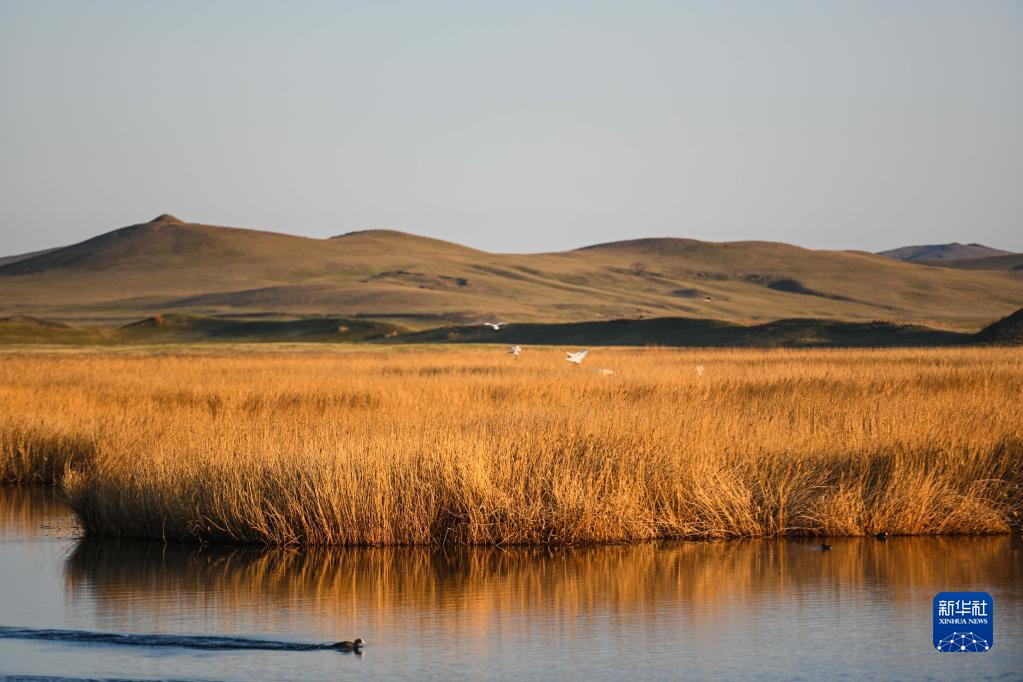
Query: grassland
[425, 445]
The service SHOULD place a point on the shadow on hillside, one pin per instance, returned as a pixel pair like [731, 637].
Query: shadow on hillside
[176, 328]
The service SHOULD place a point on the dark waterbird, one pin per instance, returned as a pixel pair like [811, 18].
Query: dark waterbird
[824, 548]
[355, 646]
[182, 641]
[881, 536]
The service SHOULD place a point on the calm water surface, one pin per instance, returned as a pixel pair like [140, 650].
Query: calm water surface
[719, 610]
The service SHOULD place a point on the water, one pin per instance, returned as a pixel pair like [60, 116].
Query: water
[719, 610]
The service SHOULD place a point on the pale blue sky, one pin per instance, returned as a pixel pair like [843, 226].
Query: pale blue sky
[517, 126]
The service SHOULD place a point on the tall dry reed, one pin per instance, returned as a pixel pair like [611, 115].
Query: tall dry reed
[472, 446]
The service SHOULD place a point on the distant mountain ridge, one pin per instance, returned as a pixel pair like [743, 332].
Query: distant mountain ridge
[941, 252]
[1012, 262]
[170, 265]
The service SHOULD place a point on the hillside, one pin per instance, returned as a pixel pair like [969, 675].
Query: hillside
[1012, 262]
[6, 260]
[942, 252]
[1008, 330]
[168, 265]
[177, 329]
[687, 332]
[665, 331]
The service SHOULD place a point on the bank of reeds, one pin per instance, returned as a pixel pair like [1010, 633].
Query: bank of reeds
[472, 446]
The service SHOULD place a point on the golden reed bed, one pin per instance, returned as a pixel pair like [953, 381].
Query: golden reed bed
[455, 445]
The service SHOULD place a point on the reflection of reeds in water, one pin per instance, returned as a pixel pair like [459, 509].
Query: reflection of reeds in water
[469, 446]
[405, 589]
[28, 512]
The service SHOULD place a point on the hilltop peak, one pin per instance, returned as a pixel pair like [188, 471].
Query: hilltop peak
[381, 238]
[679, 246]
[166, 219]
[942, 252]
[373, 231]
[644, 243]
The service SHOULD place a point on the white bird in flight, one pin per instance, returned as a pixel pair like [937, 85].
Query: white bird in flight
[605, 371]
[515, 350]
[576, 357]
[496, 326]
[699, 370]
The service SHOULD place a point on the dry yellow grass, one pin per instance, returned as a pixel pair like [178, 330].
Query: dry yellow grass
[472, 446]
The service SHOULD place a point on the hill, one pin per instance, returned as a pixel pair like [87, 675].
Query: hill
[169, 265]
[1008, 330]
[687, 332]
[178, 328]
[1012, 262]
[669, 331]
[6, 260]
[942, 252]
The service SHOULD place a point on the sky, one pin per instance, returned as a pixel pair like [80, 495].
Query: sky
[517, 126]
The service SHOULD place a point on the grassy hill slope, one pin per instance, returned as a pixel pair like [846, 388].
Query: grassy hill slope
[1011, 262]
[7, 260]
[685, 332]
[170, 265]
[668, 331]
[178, 329]
[942, 252]
[1008, 330]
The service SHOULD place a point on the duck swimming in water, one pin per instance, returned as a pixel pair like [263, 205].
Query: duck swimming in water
[824, 548]
[355, 646]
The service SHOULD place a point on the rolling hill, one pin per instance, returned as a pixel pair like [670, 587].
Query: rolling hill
[1008, 330]
[177, 328]
[942, 252]
[6, 260]
[690, 332]
[168, 265]
[1012, 262]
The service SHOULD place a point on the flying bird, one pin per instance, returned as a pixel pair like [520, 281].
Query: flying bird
[515, 350]
[496, 326]
[699, 370]
[576, 357]
[605, 371]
